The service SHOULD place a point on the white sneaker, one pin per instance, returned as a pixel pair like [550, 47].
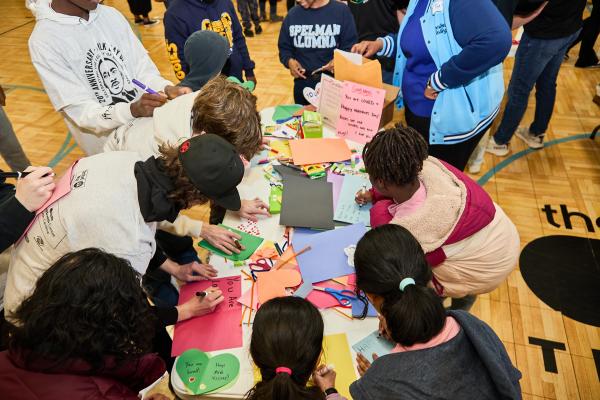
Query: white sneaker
[497, 149]
[475, 168]
[533, 141]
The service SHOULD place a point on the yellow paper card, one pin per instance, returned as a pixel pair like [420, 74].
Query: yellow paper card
[336, 351]
[282, 147]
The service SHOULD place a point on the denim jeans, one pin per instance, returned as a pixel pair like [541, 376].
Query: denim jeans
[537, 62]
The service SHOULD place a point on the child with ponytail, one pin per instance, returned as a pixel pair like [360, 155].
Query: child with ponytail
[438, 354]
[286, 345]
[469, 241]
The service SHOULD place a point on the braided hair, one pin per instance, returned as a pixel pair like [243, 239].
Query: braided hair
[395, 155]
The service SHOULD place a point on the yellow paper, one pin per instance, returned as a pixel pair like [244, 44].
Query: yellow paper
[336, 351]
[368, 74]
[282, 147]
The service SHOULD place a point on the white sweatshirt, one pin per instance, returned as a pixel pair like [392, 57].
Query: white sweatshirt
[87, 67]
[102, 210]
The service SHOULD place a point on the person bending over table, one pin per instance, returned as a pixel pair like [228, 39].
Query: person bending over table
[116, 200]
[438, 354]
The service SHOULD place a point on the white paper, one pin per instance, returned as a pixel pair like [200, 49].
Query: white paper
[354, 58]
[330, 100]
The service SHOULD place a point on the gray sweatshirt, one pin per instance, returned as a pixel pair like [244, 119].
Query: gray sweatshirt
[472, 365]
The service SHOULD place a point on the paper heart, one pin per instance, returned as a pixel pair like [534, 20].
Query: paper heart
[311, 96]
[273, 283]
[202, 374]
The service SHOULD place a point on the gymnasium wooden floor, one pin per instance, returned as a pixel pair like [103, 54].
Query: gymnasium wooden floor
[567, 172]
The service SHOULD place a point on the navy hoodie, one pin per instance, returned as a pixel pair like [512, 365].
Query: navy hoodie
[184, 17]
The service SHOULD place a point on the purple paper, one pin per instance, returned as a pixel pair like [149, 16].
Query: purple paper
[326, 258]
[337, 182]
[358, 307]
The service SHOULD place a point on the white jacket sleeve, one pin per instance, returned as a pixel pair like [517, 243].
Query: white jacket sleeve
[70, 95]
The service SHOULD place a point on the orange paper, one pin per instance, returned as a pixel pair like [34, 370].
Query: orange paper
[368, 73]
[317, 151]
[273, 283]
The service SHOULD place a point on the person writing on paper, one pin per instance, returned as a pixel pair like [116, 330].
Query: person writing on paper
[220, 107]
[438, 354]
[87, 57]
[448, 56]
[286, 345]
[121, 199]
[468, 239]
[97, 329]
[309, 35]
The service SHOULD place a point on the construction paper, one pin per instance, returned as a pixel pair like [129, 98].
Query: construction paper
[358, 307]
[307, 203]
[284, 113]
[360, 112]
[347, 68]
[292, 263]
[304, 291]
[317, 151]
[286, 171]
[303, 233]
[273, 283]
[323, 300]
[373, 344]
[347, 210]
[282, 147]
[199, 332]
[330, 99]
[201, 373]
[245, 298]
[250, 242]
[336, 352]
[326, 259]
[336, 182]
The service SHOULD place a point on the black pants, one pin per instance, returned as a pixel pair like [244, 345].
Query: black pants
[587, 37]
[290, 4]
[272, 7]
[457, 154]
[140, 7]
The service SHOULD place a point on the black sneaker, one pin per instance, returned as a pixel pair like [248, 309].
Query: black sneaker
[258, 29]
[138, 21]
[248, 33]
[276, 18]
[150, 22]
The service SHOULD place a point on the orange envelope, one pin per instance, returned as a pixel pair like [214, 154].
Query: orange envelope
[316, 151]
[368, 73]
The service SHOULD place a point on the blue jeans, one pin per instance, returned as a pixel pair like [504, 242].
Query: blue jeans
[537, 62]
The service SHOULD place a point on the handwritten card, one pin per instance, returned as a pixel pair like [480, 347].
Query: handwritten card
[225, 331]
[360, 112]
[330, 99]
[373, 344]
[347, 210]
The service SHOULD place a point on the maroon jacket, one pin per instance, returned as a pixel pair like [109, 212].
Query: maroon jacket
[73, 383]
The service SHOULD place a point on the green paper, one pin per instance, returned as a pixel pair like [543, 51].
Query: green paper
[202, 374]
[284, 113]
[250, 242]
[275, 199]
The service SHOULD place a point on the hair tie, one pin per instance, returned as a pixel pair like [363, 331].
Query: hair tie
[284, 370]
[406, 282]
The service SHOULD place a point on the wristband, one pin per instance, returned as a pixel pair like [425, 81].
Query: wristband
[331, 390]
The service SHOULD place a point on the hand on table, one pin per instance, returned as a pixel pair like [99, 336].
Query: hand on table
[363, 363]
[185, 272]
[197, 306]
[363, 197]
[35, 189]
[144, 107]
[251, 208]
[222, 238]
[324, 377]
[296, 69]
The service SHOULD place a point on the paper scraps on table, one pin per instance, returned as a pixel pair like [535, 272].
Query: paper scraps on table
[323, 300]
[336, 182]
[374, 343]
[250, 242]
[318, 151]
[200, 373]
[284, 113]
[192, 333]
[347, 210]
[273, 283]
[247, 298]
[326, 259]
[307, 203]
[281, 147]
[336, 351]
[360, 112]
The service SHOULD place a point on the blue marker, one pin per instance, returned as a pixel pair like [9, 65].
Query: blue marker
[143, 87]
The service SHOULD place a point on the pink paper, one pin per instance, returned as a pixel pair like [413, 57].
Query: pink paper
[323, 300]
[336, 181]
[216, 331]
[360, 112]
[245, 298]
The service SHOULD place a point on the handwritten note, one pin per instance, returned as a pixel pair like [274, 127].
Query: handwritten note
[347, 210]
[373, 344]
[360, 112]
[329, 100]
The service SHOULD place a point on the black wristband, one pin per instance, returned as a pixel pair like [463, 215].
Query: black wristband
[331, 390]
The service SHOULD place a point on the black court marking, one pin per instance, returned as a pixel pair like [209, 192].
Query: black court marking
[564, 272]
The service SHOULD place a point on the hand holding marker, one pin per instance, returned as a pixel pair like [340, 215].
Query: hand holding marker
[143, 87]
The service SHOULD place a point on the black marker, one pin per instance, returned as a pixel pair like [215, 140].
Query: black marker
[19, 174]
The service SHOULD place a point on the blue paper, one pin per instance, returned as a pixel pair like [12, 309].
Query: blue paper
[358, 306]
[327, 259]
[347, 210]
[373, 344]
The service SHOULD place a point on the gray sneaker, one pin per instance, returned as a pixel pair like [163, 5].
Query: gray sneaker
[533, 141]
[497, 149]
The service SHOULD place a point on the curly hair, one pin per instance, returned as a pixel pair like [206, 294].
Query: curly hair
[88, 305]
[185, 195]
[395, 155]
[227, 109]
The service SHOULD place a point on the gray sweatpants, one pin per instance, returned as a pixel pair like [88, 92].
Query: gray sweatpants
[10, 148]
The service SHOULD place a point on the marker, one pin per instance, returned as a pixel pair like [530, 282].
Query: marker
[263, 161]
[143, 87]
[201, 294]
[363, 191]
[237, 244]
[19, 174]
[266, 147]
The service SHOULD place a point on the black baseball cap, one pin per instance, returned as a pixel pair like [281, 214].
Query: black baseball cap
[214, 167]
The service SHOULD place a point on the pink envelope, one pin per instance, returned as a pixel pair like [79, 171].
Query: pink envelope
[216, 331]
